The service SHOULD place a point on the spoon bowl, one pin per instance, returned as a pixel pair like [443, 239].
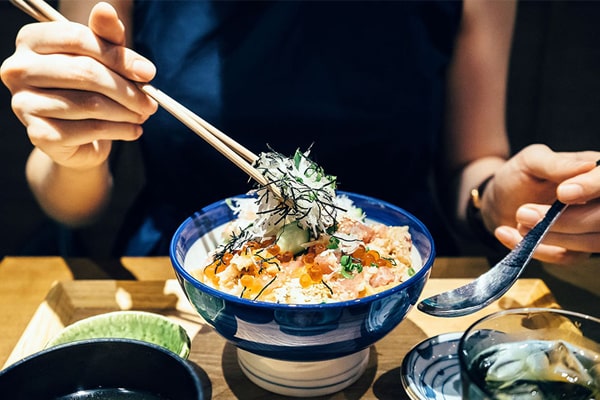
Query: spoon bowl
[497, 281]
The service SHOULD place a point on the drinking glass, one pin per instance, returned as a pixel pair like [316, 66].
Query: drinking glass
[531, 353]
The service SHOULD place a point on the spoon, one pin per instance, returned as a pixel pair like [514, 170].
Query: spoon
[498, 280]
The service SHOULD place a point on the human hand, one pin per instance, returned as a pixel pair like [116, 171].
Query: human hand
[524, 188]
[72, 87]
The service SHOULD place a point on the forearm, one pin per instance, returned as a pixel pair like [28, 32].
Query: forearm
[476, 142]
[71, 196]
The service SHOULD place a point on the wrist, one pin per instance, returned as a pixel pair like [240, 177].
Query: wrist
[474, 216]
[69, 195]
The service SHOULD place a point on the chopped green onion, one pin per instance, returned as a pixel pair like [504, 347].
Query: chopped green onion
[345, 260]
[297, 158]
[334, 243]
[350, 267]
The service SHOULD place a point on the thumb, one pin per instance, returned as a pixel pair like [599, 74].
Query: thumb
[105, 23]
[106, 26]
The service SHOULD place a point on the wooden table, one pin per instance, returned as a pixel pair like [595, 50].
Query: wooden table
[25, 284]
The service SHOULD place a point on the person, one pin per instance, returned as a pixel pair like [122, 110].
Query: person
[387, 93]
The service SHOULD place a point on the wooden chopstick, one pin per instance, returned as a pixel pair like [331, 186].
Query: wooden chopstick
[238, 154]
[234, 151]
[23, 6]
[45, 10]
[169, 104]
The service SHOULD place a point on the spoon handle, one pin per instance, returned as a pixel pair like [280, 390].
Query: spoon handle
[523, 251]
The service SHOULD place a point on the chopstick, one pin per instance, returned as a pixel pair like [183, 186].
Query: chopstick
[39, 10]
[234, 151]
[215, 137]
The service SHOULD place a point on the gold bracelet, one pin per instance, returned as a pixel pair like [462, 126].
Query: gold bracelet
[474, 217]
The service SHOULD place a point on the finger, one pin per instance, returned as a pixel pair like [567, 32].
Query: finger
[105, 23]
[81, 157]
[576, 219]
[72, 105]
[83, 74]
[541, 162]
[559, 255]
[98, 149]
[77, 39]
[584, 242]
[50, 134]
[581, 188]
[510, 237]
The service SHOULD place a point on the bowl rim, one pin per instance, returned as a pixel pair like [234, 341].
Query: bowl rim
[420, 274]
[461, 352]
[87, 342]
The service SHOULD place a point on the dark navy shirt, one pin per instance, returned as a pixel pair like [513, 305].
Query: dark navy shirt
[362, 82]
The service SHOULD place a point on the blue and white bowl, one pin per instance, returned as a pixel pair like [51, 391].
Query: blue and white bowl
[300, 334]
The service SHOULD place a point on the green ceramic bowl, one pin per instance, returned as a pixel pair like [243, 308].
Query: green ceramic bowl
[139, 325]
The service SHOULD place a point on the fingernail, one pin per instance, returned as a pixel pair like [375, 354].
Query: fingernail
[528, 215]
[503, 234]
[144, 69]
[570, 191]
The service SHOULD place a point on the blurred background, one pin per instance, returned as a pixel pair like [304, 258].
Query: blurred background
[554, 98]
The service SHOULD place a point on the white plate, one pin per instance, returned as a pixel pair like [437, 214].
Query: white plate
[431, 369]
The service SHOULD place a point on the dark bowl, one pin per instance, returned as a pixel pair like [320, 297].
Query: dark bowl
[303, 332]
[99, 364]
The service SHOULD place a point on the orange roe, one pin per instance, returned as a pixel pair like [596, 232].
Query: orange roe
[285, 256]
[305, 280]
[319, 248]
[247, 281]
[359, 252]
[308, 258]
[274, 249]
[226, 259]
[374, 254]
[315, 273]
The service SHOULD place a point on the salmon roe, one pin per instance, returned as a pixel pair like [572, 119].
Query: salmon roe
[286, 256]
[305, 280]
[315, 273]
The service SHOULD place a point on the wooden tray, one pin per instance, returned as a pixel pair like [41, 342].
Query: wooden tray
[71, 301]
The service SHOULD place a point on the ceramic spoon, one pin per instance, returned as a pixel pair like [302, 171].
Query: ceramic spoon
[498, 280]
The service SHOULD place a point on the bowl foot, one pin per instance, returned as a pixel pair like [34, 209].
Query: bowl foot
[303, 378]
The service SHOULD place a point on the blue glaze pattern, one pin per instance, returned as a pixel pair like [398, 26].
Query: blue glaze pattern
[431, 370]
[303, 332]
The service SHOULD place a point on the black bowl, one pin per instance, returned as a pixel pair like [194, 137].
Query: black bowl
[99, 365]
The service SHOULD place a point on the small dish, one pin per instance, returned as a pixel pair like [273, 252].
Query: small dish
[431, 369]
[128, 324]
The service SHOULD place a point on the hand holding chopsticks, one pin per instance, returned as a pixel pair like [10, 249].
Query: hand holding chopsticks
[235, 152]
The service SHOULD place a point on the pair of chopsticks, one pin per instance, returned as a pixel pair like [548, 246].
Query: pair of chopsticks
[235, 152]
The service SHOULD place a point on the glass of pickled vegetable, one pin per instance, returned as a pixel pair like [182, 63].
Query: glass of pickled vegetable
[531, 353]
